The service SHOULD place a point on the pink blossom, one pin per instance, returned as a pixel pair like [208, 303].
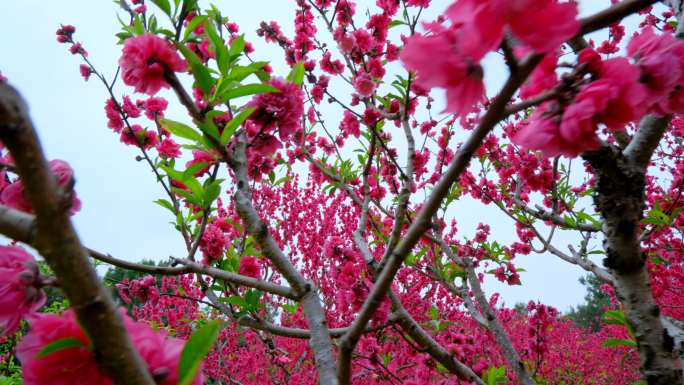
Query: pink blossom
[350, 124]
[213, 243]
[542, 132]
[113, 113]
[661, 60]
[542, 78]
[614, 99]
[84, 69]
[155, 106]
[13, 195]
[438, 63]
[65, 33]
[279, 110]
[160, 353]
[543, 25]
[145, 60]
[76, 364]
[130, 108]
[250, 267]
[20, 284]
[364, 84]
[72, 365]
[333, 67]
[138, 136]
[168, 149]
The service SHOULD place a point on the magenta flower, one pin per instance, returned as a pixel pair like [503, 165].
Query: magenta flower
[76, 364]
[19, 287]
[279, 110]
[250, 267]
[543, 25]
[160, 353]
[72, 365]
[13, 195]
[439, 62]
[168, 149]
[661, 60]
[145, 60]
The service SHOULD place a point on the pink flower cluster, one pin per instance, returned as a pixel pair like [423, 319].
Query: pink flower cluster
[145, 62]
[617, 93]
[275, 111]
[77, 365]
[449, 57]
[13, 194]
[20, 287]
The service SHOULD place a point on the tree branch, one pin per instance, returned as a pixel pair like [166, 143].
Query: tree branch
[320, 341]
[56, 240]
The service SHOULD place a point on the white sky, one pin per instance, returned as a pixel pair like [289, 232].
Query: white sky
[118, 215]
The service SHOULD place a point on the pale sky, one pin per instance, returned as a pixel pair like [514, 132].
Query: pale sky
[118, 215]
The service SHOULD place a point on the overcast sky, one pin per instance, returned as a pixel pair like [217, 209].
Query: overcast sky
[118, 215]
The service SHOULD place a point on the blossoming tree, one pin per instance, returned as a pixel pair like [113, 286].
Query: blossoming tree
[321, 241]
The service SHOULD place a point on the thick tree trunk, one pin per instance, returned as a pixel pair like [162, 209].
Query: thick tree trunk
[620, 199]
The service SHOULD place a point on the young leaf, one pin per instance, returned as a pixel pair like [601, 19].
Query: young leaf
[222, 55]
[247, 89]
[211, 193]
[60, 344]
[194, 23]
[199, 71]
[236, 47]
[138, 27]
[195, 350]
[613, 342]
[297, 74]
[166, 204]
[231, 126]
[239, 73]
[163, 5]
[182, 130]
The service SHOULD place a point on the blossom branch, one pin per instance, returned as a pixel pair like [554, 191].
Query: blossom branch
[432, 204]
[320, 337]
[491, 320]
[56, 240]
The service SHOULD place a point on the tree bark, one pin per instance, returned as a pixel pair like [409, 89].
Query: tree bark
[620, 199]
[57, 242]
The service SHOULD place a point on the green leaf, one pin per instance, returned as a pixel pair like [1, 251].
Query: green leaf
[239, 73]
[297, 74]
[252, 298]
[166, 204]
[197, 347]
[247, 89]
[236, 47]
[211, 193]
[138, 27]
[235, 300]
[209, 127]
[395, 23]
[163, 5]
[188, 196]
[181, 129]
[194, 23]
[613, 342]
[60, 344]
[434, 313]
[231, 126]
[495, 376]
[192, 170]
[199, 71]
[222, 55]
